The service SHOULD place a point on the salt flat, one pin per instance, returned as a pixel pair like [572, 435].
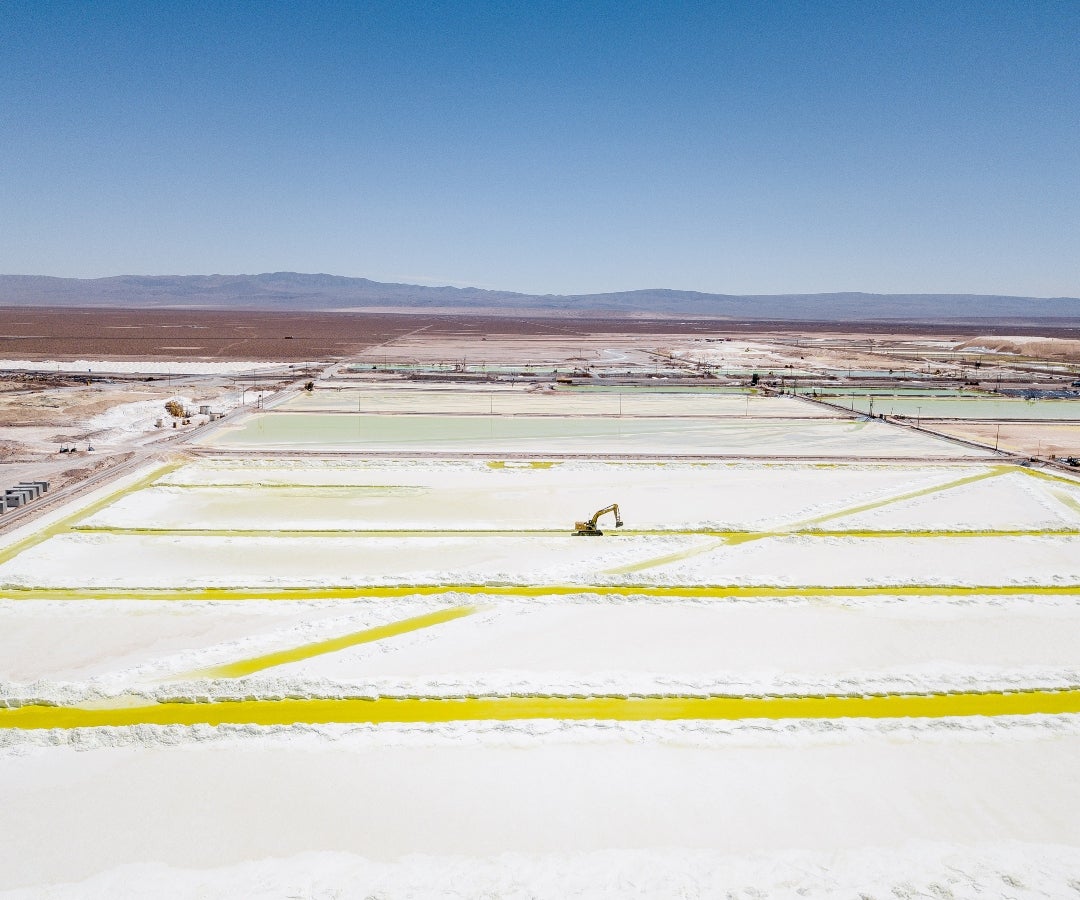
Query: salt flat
[1011, 500]
[802, 560]
[103, 560]
[557, 645]
[77, 641]
[898, 565]
[400, 797]
[721, 644]
[433, 496]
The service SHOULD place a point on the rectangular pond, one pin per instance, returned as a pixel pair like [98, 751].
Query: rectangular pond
[517, 401]
[995, 408]
[609, 435]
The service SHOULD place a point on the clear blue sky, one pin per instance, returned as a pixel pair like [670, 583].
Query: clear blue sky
[565, 147]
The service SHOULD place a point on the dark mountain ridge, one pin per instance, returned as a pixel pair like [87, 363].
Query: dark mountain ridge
[296, 292]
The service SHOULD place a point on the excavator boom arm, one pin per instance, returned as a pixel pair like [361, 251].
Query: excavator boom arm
[600, 512]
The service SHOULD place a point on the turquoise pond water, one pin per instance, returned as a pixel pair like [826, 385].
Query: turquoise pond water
[955, 408]
[612, 435]
[658, 388]
[874, 373]
[832, 392]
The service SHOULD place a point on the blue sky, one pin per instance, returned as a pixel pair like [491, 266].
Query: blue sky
[564, 147]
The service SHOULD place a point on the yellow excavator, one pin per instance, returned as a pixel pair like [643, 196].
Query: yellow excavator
[589, 528]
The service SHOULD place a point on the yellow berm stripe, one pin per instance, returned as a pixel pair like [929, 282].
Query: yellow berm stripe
[626, 709]
[294, 654]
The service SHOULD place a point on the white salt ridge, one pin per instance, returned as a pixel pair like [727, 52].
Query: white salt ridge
[1014, 869]
[927, 680]
[209, 467]
[976, 348]
[758, 734]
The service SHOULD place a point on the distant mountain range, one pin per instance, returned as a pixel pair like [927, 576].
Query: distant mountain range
[294, 291]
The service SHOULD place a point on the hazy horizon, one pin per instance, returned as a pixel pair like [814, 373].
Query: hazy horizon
[466, 287]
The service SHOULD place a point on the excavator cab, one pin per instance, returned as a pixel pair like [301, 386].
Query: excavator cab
[589, 529]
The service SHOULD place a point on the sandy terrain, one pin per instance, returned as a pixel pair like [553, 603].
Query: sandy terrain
[185, 334]
[247, 335]
[1040, 347]
[63, 406]
[1027, 438]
